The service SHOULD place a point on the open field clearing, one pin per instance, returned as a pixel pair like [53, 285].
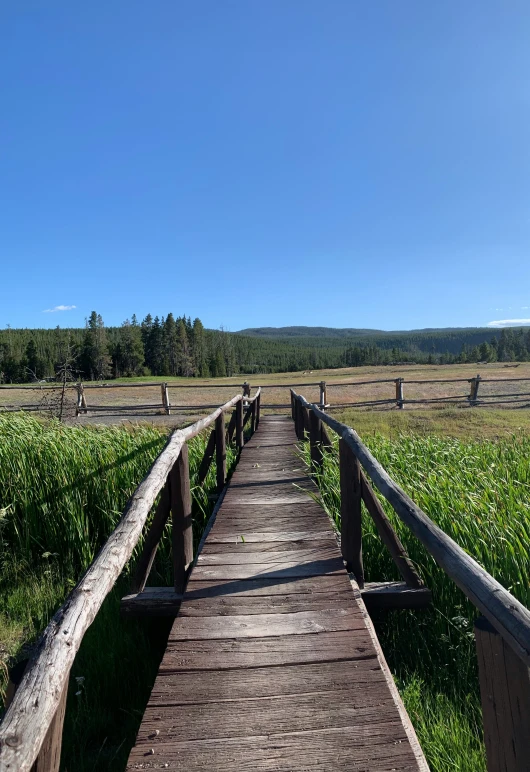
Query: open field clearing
[118, 401]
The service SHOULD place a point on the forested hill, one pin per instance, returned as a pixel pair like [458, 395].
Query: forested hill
[176, 346]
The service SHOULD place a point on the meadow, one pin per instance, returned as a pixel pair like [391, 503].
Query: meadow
[62, 492]
[63, 489]
[477, 491]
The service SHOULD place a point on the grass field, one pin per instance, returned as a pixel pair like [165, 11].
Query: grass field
[477, 491]
[63, 489]
[186, 393]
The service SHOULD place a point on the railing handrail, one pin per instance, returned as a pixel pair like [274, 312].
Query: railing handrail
[21, 735]
[509, 617]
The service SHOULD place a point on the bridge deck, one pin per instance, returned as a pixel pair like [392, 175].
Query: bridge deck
[272, 662]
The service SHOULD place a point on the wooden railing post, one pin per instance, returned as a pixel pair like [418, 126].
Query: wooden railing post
[253, 417]
[505, 696]
[315, 439]
[350, 511]
[220, 451]
[293, 406]
[399, 393]
[166, 395]
[49, 758]
[473, 392]
[258, 410]
[239, 425]
[323, 395]
[179, 482]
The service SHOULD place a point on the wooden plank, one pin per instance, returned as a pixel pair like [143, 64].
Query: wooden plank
[389, 595]
[152, 602]
[234, 536]
[246, 556]
[226, 653]
[313, 677]
[358, 748]
[285, 570]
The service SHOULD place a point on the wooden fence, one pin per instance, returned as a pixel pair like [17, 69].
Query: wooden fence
[474, 395]
[502, 634]
[31, 730]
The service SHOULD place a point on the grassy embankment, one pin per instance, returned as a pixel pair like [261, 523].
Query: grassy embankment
[477, 490]
[62, 491]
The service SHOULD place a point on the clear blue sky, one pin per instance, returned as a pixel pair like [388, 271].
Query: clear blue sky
[250, 162]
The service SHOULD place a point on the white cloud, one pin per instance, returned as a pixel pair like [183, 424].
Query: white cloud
[57, 308]
[509, 323]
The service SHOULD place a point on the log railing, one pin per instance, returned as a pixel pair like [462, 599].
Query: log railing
[31, 730]
[502, 634]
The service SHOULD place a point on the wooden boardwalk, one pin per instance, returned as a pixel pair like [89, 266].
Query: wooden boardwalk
[272, 663]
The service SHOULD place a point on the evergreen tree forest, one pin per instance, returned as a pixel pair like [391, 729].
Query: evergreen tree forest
[177, 346]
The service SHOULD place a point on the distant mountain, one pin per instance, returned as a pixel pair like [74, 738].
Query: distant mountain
[353, 332]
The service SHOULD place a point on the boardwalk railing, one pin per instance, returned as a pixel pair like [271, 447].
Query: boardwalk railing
[503, 632]
[31, 730]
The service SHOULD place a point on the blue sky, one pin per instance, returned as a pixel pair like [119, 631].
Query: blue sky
[339, 163]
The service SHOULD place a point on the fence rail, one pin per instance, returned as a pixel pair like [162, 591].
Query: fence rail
[31, 729]
[474, 396]
[503, 632]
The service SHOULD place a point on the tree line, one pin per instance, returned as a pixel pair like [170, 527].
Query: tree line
[177, 346]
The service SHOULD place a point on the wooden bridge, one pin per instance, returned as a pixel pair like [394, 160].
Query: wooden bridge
[272, 662]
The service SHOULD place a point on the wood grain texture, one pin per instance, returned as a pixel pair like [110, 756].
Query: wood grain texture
[269, 664]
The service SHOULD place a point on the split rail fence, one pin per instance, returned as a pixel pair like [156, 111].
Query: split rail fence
[502, 633]
[31, 730]
[477, 392]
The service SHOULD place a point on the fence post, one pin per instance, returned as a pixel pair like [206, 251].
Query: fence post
[505, 695]
[473, 393]
[246, 392]
[399, 393]
[258, 410]
[293, 407]
[220, 451]
[166, 393]
[165, 398]
[350, 511]
[81, 400]
[315, 436]
[179, 478]
[239, 425]
[323, 395]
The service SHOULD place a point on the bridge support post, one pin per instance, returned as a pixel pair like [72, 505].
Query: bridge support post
[505, 696]
[179, 482]
[350, 511]
[220, 451]
[315, 439]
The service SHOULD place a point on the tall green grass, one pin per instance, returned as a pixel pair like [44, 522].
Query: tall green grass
[479, 494]
[62, 491]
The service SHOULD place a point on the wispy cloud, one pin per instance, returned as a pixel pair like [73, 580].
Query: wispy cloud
[58, 308]
[509, 323]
